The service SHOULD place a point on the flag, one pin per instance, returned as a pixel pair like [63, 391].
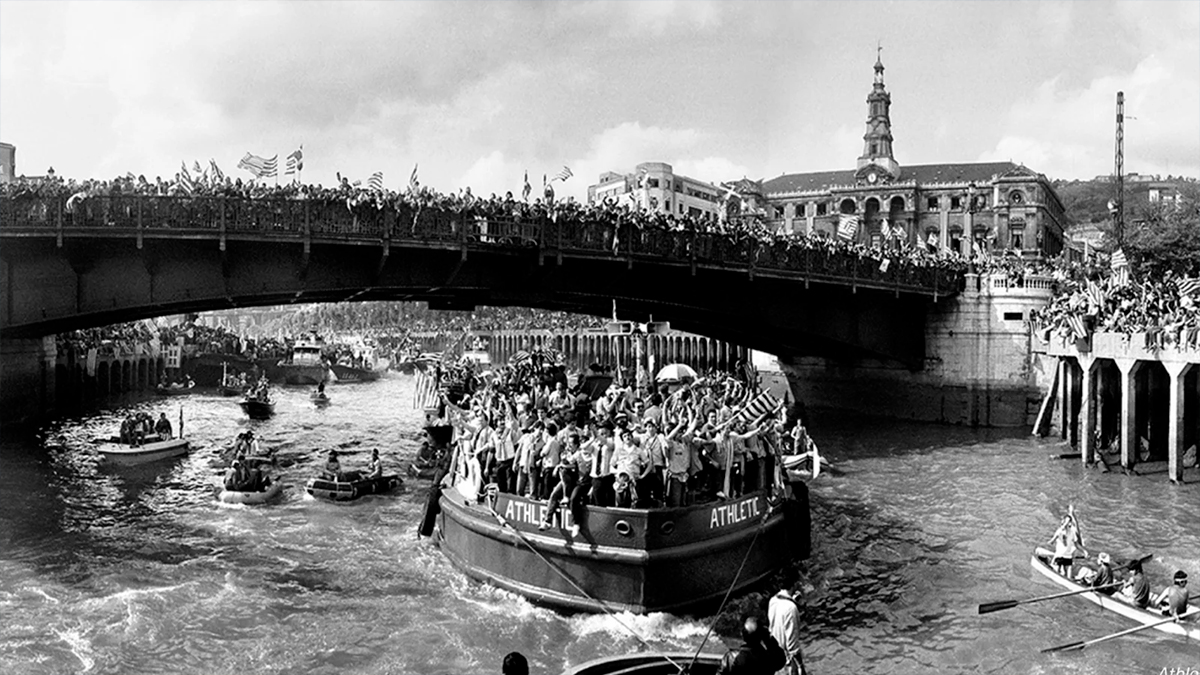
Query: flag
[758, 406]
[425, 393]
[1096, 296]
[217, 174]
[1119, 260]
[185, 182]
[271, 168]
[526, 190]
[254, 164]
[883, 266]
[1188, 286]
[847, 227]
[196, 167]
[562, 175]
[932, 240]
[885, 230]
[375, 182]
[1077, 328]
[412, 180]
[295, 162]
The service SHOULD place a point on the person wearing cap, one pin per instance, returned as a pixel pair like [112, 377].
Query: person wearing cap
[1104, 575]
[784, 616]
[1136, 590]
[1173, 601]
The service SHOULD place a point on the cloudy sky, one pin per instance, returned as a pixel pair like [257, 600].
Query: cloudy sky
[478, 92]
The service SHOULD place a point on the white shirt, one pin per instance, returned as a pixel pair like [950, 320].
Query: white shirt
[784, 616]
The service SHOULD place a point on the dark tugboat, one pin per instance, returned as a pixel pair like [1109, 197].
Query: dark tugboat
[634, 560]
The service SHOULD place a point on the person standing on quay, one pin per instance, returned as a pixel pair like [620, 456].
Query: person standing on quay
[784, 615]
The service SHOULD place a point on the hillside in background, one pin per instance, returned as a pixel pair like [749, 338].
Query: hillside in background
[1086, 201]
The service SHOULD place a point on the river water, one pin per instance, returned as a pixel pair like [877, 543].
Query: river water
[140, 570]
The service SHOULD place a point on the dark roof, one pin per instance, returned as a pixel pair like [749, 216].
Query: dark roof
[923, 174]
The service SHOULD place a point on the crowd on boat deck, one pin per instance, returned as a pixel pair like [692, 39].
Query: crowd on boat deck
[669, 445]
[140, 428]
[1071, 561]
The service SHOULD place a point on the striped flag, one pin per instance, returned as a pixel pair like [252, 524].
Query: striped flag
[885, 230]
[527, 189]
[758, 406]
[255, 165]
[295, 162]
[1095, 295]
[847, 227]
[412, 180]
[271, 168]
[185, 182]
[375, 182]
[1187, 287]
[562, 175]
[425, 394]
[217, 175]
[1077, 328]
[1119, 260]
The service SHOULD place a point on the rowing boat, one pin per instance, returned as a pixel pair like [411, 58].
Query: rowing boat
[649, 663]
[1041, 562]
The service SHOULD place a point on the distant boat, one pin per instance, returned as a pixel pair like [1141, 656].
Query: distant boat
[175, 388]
[650, 663]
[115, 452]
[347, 490]
[318, 397]
[307, 364]
[250, 497]
[258, 409]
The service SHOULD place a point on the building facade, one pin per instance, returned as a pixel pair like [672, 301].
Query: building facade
[655, 187]
[8, 162]
[998, 205]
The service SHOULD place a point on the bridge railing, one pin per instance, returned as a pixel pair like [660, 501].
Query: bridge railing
[400, 222]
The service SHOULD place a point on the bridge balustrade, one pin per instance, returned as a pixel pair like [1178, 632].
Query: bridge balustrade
[398, 221]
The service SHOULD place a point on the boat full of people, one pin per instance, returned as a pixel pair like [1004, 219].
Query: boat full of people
[358, 363]
[307, 363]
[340, 486]
[142, 440]
[167, 388]
[257, 403]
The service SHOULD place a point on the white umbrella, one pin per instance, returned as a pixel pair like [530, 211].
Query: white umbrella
[675, 372]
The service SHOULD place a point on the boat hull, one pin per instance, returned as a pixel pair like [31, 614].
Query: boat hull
[635, 560]
[347, 374]
[1041, 563]
[125, 455]
[257, 409]
[344, 491]
[650, 663]
[300, 374]
[260, 497]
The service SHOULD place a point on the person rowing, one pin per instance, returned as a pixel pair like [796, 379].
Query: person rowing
[1173, 601]
[1136, 590]
[1101, 578]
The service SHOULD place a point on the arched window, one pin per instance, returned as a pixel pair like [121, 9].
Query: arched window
[847, 206]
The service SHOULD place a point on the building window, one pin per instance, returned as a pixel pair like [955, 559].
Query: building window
[778, 211]
[652, 182]
[874, 149]
[1016, 197]
[681, 207]
[822, 209]
[933, 203]
[955, 203]
[848, 206]
[1017, 240]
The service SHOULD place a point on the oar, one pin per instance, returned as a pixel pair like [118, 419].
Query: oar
[1127, 631]
[988, 608]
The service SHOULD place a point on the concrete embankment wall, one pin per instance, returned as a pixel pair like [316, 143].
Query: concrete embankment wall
[979, 369]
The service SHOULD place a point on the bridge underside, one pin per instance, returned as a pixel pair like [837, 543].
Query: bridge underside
[94, 281]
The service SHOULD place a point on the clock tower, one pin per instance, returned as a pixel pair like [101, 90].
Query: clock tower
[876, 164]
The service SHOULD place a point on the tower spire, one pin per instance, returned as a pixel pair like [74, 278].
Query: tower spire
[877, 141]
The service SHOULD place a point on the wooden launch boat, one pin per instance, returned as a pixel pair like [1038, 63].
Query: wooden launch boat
[115, 452]
[650, 663]
[307, 364]
[1041, 562]
[176, 389]
[634, 560]
[347, 490]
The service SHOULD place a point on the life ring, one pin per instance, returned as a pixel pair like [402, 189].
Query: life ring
[624, 528]
[667, 528]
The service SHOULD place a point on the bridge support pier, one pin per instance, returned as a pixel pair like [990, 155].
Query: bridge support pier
[27, 372]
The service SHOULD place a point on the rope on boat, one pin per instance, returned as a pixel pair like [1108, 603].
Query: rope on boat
[566, 577]
[725, 600]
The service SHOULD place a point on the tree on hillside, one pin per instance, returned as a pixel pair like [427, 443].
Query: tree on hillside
[1161, 237]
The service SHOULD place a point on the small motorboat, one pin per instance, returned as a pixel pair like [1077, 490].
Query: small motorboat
[115, 452]
[353, 487]
[258, 408]
[319, 398]
[1042, 563]
[271, 491]
[650, 663]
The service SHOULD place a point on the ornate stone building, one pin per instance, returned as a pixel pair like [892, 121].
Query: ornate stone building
[1000, 205]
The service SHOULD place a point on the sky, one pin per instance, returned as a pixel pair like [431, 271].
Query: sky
[476, 93]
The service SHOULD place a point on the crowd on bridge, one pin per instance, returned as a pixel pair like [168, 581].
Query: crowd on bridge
[1163, 308]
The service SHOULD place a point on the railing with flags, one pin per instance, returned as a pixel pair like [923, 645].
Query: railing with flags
[464, 227]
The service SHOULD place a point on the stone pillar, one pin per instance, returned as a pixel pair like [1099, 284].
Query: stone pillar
[27, 371]
[1129, 369]
[1087, 410]
[1064, 397]
[1175, 439]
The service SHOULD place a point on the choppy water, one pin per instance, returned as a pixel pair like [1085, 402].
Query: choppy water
[140, 570]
